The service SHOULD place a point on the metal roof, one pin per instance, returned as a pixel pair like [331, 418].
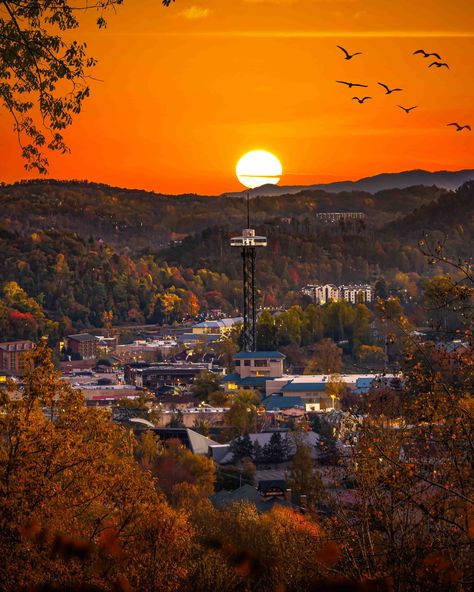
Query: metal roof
[272, 403]
[83, 337]
[233, 377]
[297, 387]
[254, 380]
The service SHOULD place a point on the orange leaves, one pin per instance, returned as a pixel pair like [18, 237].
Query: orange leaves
[329, 554]
[441, 567]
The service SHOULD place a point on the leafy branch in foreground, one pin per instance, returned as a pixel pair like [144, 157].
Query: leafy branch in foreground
[44, 76]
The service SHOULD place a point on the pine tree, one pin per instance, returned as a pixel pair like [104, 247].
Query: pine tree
[242, 447]
[275, 451]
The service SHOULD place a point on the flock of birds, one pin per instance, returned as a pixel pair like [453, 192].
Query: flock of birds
[437, 63]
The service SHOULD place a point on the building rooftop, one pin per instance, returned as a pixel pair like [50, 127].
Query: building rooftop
[254, 380]
[258, 355]
[22, 345]
[247, 493]
[277, 402]
[197, 443]
[232, 377]
[83, 337]
[296, 386]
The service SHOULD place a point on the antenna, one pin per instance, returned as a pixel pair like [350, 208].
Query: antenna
[248, 209]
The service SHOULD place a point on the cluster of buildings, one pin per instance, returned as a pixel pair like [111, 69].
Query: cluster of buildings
[353, 293]
[264, 371]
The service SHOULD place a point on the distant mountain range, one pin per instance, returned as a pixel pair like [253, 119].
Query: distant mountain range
[384, 181]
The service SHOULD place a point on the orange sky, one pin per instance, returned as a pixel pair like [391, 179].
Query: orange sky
[187, 90]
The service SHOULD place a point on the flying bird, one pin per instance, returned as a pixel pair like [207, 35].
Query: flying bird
[388, 90]
[348, 55]
[407, 109]
[361, 100]
[351, 84]
[459, 128]
[439, 65]
[427, 55]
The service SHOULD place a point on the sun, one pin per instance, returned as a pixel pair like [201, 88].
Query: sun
[257, 168]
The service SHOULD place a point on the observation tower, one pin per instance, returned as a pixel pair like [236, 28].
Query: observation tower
[248, 242]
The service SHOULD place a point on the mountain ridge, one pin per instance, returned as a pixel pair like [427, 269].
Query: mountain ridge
[443, 179]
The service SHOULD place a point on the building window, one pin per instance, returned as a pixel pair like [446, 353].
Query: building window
[246, 362]
[261, 363]
[237, 362]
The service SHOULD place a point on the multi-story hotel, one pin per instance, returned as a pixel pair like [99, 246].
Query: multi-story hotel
[349, 292]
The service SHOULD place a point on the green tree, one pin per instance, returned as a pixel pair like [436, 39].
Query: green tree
[242, 415]
[204, 384]
[177, 420]
[242, 447]
[266, 332]
[301, 477]
[276, 450]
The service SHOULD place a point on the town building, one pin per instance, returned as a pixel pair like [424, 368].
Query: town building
[84, 344]
[12, 354]
[332, 217]
[155, 376]
[353, 293]
[219, 327]
[253, 369]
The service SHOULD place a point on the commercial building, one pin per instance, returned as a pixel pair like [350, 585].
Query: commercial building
[154, 376]
[254, 369]
[12, 354]
[220, 327]
[83, 344]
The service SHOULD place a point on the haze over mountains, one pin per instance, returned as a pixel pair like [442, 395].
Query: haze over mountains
[384, 181]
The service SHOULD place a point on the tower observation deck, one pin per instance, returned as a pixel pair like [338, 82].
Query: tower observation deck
[248, 242]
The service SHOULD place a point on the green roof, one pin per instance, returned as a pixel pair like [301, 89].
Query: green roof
[243, 355]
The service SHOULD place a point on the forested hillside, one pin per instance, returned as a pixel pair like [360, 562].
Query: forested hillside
[80, 249]
[138, 219]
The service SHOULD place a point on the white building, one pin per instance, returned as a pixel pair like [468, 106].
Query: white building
[329, 292]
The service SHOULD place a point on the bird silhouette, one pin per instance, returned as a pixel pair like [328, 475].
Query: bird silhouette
[351, 84]
[427, 55]
[407, 109]
[459, 128]
[348, 55]
[388, 90]
[360, 100]
[439, 65]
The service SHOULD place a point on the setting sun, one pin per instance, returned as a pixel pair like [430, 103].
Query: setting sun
[257, 168]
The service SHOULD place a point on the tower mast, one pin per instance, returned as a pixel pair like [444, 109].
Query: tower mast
[248, 242]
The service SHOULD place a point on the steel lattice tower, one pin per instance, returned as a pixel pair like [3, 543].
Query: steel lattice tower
[248, 242]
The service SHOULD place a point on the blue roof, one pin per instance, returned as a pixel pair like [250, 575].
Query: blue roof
[258, 354]
[298, 387]
[272, 403]
[233, 377]
[254, 380]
